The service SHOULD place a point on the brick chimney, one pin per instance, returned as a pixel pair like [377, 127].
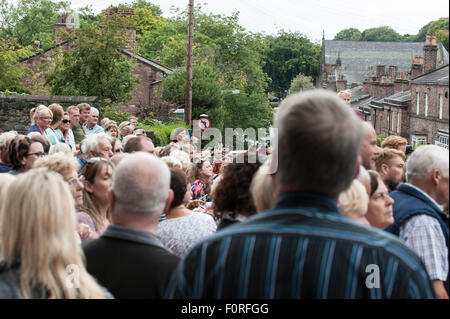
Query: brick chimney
[429, 54]
[417, 66]
[380, 71]
[124, 12]
[66, 24]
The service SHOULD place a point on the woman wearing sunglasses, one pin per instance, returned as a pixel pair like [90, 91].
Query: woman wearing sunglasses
[64, 132]
[96, 176]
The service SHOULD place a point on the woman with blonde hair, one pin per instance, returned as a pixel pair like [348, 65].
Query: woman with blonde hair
[58, 114]
[354, 201]
[42, 117]
[96, 176]
[38, 241]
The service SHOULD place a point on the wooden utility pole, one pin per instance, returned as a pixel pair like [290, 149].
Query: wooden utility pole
[188, 104]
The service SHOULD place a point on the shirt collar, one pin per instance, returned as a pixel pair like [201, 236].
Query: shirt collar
[317, 201]
[424, 194]
[131, 234]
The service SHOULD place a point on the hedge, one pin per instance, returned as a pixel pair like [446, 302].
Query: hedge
[162, 132]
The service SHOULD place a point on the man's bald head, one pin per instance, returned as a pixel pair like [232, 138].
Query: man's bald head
[369, 148]
[141, 184]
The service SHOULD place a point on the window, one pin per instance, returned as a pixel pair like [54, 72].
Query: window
[426, 104]
[442, 139]
[393, 122]
[417, 140]
[398, 122]
[417, 102]
[441, 103]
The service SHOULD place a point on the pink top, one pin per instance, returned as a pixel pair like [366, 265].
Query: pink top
[85, 218]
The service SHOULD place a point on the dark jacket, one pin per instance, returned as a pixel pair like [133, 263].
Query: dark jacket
[130, 263]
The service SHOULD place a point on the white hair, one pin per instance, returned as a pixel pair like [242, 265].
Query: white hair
[363, 176]
[4, 137]
[141, 184]
[183, 157]
[94, 110]
[424, 159]
[90, 142]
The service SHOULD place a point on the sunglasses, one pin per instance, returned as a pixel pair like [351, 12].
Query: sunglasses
[66, 121]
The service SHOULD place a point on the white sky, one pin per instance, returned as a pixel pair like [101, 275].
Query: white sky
[311, 17]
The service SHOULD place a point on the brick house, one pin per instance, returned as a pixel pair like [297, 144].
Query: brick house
[416, 109]
[149, 72]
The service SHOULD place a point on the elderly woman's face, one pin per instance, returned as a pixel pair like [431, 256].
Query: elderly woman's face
[76, 187]
[44, 121]
[379, 213]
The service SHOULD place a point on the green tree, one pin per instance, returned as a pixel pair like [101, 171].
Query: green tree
[11, 71]
[30, 20]
[383, 33]
[350, 34]
[301, 83]
[94, 64]
[287, 55]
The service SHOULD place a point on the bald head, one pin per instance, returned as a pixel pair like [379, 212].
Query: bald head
[141, 184]
[369, 148]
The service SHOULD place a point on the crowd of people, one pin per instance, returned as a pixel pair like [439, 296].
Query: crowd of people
[101, 205]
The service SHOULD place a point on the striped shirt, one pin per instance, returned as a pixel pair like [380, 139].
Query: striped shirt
[303, 248]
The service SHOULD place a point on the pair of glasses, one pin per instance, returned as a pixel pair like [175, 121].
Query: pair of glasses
[66, 121]
[39, 154]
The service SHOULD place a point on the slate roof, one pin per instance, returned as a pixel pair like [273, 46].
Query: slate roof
[399, 99]
[437, 76]
[360, 58]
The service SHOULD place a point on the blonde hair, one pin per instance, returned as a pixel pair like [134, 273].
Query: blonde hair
[61, 148]
[5, 181]
[262, 189]
[172, 162]
[40, 111]
[386, 155]
[354, 199]
[59, 162]
[57, 111]
[38, 227]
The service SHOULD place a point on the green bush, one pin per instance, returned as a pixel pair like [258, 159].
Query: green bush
[114, 113]
[162, 132]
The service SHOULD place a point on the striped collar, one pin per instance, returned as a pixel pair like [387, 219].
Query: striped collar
[317, 201]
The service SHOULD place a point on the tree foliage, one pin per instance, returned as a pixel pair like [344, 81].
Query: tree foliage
[301, 83]
[287, 55]
[350, 34]
[383, 33]
[30, 20]
[95, 65]
[11, 71]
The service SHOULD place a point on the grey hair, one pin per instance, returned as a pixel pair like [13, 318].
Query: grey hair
[424, 159]
[141, 184]
[95, 110]
[90, 142]
[319, 140]
[363, 176]
[7, 136]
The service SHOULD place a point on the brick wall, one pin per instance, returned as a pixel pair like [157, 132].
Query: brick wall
[431, 123]
[15, 109]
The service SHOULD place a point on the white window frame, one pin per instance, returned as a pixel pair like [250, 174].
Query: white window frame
[392, 121]
[441, 104]
[398, 121]
[417, 102]
[418, 140]
[426, 104]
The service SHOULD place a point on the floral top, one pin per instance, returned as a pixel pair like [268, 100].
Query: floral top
[198, 190]
[180, 234]
[85, 218]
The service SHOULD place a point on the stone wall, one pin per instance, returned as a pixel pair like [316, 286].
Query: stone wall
[15, 109]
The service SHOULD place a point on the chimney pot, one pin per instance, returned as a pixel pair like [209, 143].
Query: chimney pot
[428, 40]
[433, 40]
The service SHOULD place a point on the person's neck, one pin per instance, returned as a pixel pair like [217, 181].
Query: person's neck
[426, 187]
[54, 127]
[90, 125]
[72, 126]
[178, 211]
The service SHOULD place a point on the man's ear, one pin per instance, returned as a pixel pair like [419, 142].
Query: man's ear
[436, 176]
[168, 201]
[384, 168]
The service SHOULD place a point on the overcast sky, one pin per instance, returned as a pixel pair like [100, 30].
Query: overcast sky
[311, 17]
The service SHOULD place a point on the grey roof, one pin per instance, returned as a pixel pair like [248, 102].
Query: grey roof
[151, 63]
[399, 99]
[437, 76]
[360, 58]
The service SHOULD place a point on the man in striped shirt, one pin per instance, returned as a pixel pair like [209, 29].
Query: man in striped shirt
[304, 248]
